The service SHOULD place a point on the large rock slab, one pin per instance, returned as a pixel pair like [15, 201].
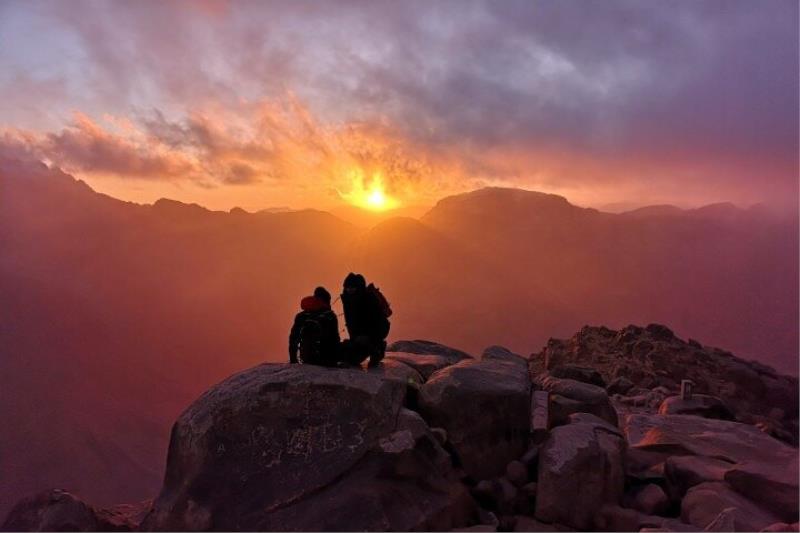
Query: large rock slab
[698, 450]
[692, 435]
[704, 502]
[772, 486]
[485, 408]
[580, 471]
[699, 405]
[301, 447]
[569, 396]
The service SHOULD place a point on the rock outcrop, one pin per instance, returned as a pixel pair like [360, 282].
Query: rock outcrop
[580, 471]
[434, 439]
[485, 408]
[569, 396]
[654, 356]
[58, 510]
[302, 447]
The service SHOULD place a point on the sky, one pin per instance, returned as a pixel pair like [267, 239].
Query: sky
[318, 104]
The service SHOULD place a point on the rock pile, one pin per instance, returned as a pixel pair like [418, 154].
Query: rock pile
[638, 361]
[578, 437]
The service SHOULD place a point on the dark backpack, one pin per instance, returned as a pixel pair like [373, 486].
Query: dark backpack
[383, 303]
[310, 341]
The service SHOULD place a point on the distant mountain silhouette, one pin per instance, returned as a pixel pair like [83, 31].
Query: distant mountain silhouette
[115, 315]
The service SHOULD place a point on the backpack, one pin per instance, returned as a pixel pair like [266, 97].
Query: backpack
[383, 303]
[310, 341]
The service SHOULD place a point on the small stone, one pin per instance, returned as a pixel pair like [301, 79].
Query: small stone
[620, 385]
[506, 496]
[484, 493]
[517, 473]
[650, 499]
[440, 434]
[487, 518]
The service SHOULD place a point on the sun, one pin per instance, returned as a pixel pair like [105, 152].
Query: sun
[371, 195]
[376, 199]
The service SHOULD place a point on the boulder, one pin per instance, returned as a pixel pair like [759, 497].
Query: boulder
[704, 502]
[303, 447]
[580, 470]
[594, 420]
[650, 499]
[772, 486]
[517, 473]
[578, 373]
[425, 365]
[620, 385]
[410, 379]
[568, 396]
[421, 347]
[646, 466]
[699, 405]
[397, 370]
[683, 472]
[58, 510]
[503, 354]
[485, 408]
[497, 494]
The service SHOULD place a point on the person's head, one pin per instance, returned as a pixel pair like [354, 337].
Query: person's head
[322, 294]
[354, 283]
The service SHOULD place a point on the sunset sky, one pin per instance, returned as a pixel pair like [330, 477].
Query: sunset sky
[306, 104]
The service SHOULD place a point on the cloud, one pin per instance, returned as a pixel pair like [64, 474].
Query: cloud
[272, 141]
[615, 97]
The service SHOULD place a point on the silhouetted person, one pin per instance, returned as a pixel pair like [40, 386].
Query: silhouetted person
[315, 333]
[366, 315]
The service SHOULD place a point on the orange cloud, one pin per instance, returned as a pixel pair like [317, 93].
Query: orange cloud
[277, 142]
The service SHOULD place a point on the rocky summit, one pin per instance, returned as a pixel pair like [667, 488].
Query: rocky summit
[630, 430]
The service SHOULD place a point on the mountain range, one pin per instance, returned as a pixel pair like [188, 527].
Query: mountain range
[115, 315]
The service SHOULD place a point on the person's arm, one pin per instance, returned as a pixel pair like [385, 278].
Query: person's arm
[294, 339]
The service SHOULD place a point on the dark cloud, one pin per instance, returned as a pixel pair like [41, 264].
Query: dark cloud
[571, 94]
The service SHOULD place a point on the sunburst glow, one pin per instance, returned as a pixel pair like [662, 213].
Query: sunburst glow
[369, 194]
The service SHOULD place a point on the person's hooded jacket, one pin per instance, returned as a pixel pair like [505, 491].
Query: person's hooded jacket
[362, 312]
